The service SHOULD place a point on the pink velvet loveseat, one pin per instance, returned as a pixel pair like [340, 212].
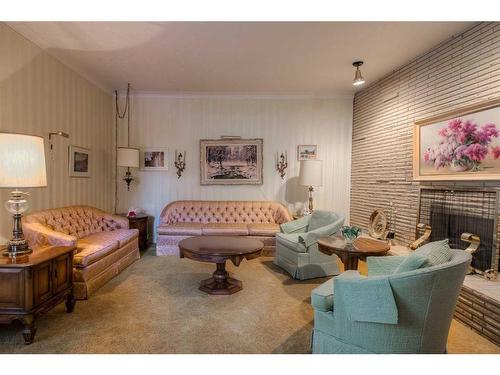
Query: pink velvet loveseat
[183, 219]
[105, 244]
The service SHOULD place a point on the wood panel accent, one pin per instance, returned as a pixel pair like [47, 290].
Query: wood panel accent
[460, 71]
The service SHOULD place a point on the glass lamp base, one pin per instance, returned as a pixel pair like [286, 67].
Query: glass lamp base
[14, 248]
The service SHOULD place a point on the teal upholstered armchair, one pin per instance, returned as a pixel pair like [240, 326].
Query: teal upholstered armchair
[390, 311]
[297, 249]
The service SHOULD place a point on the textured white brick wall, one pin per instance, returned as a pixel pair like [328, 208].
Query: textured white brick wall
[461, 71]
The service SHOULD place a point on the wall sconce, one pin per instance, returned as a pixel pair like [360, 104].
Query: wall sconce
[282, 164]
[180, 162]
[128, 157]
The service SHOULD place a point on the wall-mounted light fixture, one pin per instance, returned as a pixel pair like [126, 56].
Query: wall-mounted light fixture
[126, 156]
[281, 164]
[358, 77]
[180, 162]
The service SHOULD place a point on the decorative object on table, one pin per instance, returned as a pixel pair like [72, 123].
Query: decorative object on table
[154, 159]
[281, 163]
[34, 284]
[134, 211]
[140, 221]
[460, 145]
[79, 161]
[58, 133]
[391, 228]
[180, 162]
[231, 161]
[22, 165]
[358, 77]
[377, 226]
[129, 158]
[311, 175]
[424, 237]
[219, 249]
[307, 152]
[350, 233]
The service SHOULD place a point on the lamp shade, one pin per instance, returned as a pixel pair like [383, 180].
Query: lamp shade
[128, 157]
[22, 161]
[311, 173]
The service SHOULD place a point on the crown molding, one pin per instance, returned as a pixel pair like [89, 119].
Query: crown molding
[242, 95]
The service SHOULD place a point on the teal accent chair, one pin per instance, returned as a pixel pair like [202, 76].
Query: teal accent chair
[297, 248]
[387, 312]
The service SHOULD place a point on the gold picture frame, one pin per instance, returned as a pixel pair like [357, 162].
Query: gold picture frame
[433, 134]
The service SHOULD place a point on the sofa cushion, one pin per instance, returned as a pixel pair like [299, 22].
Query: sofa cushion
[320, 219]
[124, 236]
[180, 229]
[291, 241]
[224, 229]
[322, 296]
[93, 248]
[263, 229]
[437, 252]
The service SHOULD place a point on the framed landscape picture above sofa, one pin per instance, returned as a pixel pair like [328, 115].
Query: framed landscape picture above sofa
[460, 145]
[231, 161]
[79, 161]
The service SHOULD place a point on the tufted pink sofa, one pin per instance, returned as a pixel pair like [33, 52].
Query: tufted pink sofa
[105, 244]
[183, 219]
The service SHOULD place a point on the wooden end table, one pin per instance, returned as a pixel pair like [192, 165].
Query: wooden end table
[218, 249]
[140, 222]
[33, 284]
[350, 253]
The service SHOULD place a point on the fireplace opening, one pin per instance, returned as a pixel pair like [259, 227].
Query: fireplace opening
[452, 212]
[451, 225]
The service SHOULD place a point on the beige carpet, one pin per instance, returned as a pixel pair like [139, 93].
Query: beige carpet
[155, 307]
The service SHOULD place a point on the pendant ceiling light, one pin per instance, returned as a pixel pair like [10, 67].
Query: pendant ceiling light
[358, 78]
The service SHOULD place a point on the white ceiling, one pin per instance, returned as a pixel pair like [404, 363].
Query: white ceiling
[236, 57]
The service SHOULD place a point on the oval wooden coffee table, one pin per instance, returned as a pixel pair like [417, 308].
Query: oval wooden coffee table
[350, 253]
[218, 249]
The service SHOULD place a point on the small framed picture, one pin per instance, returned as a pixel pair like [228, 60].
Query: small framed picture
[307, 152]
[79, 161]
[153, 159]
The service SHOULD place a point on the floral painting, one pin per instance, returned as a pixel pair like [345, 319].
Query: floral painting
[464, 147]
[231, 161]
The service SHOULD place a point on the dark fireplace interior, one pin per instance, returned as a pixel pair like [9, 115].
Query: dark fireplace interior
[453, 212]
[451, 225]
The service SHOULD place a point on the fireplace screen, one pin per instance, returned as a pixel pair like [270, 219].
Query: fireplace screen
[453, 212]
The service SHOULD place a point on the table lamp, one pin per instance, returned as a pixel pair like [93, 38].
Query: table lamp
[128, 157]
[311, 174]
[22, 165]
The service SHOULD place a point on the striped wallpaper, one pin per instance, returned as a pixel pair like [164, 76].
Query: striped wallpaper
[282, 121]
[461, 71]
[39, 95]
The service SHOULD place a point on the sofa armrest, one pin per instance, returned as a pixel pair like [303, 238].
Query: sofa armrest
[322, 296]
[39, 235]
[116, 221]
[296, 226]
[379, 266]
[310, 238]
